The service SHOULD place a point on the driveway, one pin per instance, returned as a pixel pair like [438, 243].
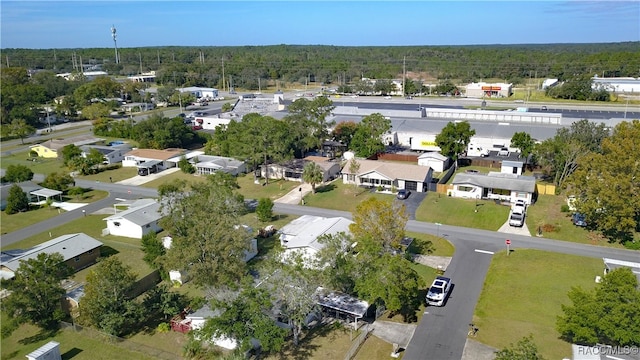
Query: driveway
[139, 180]
[506, 228]
[412, 202]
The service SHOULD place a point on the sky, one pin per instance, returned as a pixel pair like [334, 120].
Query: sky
[87, 24]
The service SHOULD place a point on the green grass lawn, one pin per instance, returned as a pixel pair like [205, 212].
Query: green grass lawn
[426, 244]
[10, 223]
[274, 190]
[73, 345]
[190, 178]
[126, 249]
[319, 343]
[115, 175]
[522, 295]
[338, 196]
[39, 166]
[546, 211]
[439, 208]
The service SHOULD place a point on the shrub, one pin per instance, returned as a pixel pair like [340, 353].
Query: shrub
[564, 208]
[549, 228]
[380, 188]
[163, 327]
[264, 210]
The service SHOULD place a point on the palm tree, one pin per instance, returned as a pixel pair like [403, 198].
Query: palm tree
[312, 174]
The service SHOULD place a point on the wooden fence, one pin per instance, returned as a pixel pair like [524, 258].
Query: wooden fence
[546, 189]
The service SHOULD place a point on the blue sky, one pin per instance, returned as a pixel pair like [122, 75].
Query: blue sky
[84, 24]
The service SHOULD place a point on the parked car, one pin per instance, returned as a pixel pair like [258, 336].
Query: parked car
[503, 152]
[403, 194]
[439, 291]
[196, 127]
[544, 108]
[579, 220]
[516, 219]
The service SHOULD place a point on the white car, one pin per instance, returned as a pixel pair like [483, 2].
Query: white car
[439, 291]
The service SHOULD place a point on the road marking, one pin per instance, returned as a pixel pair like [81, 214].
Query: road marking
[484, 251]
[504, 124]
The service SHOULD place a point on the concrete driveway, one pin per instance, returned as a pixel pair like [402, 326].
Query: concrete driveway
[139, 180]
[412, 202]
[506, 228]
[393, 333]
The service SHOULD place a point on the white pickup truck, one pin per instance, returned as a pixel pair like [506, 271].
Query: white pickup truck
[439, 291]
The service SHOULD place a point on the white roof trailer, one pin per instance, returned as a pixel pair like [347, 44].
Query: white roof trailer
[612, 264]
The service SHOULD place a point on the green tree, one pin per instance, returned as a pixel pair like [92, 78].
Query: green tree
[384, 86]
[76, 191]
[454, 139]
[16, 201]
[367, 140]
[208, 238]
[608, 315]
[264, 210]
[524, 349]
[559, 155]
[312, 174]
[524, 143]
[316, 112]
[153, 250]
[354, 168]
[17, 173]
[380, 220]
[96, 111]
[392, 280]
[107, 304]
[21, 129]
[344, 131]
[339, 268]
[185, 166]
[36, 291]
[226, 107]
[607, 184]
[58, 181]
[245, 317]
[69, 152]
[161, 300]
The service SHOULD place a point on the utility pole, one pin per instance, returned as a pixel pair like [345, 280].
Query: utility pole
[404, 74]
[223, 73]
[81, 66]
[140, 57]
[158, 57]
[7, 57]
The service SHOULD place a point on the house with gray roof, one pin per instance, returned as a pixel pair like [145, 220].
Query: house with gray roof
[494, 185]
[207, 165]
[300, 236]
[388, 175]
[78, 251]
[139, 219]
[112, 154]
[36, 194]
[292, 170]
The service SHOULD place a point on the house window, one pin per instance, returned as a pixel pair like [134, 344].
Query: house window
[147, 226]
[465, 188]
[116, 223]
[77, 259]
[501, 192]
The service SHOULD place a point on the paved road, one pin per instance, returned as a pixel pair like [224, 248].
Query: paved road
[115, 192]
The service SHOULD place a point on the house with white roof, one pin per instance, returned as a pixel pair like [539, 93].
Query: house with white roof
[78, 251]
[292, 170]
[300, 236]
[152, 160]
[36, 194]
[495, 185]
[373, 173]
[434, 160]
[139, 219]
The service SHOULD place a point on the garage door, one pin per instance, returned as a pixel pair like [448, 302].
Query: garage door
[411, 185]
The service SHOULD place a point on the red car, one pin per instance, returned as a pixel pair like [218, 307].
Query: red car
[196, 127]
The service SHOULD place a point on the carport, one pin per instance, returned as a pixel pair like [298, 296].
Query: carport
[148, 167]
[342, 306]
[46, 194]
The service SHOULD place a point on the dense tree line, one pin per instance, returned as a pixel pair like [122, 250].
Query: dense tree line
[244, 65]
[156, 132]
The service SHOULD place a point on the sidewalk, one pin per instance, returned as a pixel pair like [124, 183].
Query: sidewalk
[295, 196]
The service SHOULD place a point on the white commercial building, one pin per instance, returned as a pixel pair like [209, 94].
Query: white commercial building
[617, 84]
[482, 89]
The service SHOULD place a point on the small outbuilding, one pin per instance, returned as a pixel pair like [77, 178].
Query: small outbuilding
[434, 160]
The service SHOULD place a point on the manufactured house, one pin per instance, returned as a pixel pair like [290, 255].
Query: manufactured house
[111, 154]
[292, 170]
[207, 165]
[78, 251]
[51, 147]
[495, 185]
[300, 236]
[388, 175]
[151, 160]
[139, 219]
[36, 194]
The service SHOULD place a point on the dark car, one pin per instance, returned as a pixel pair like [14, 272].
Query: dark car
[403, 194]
[579, 220]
